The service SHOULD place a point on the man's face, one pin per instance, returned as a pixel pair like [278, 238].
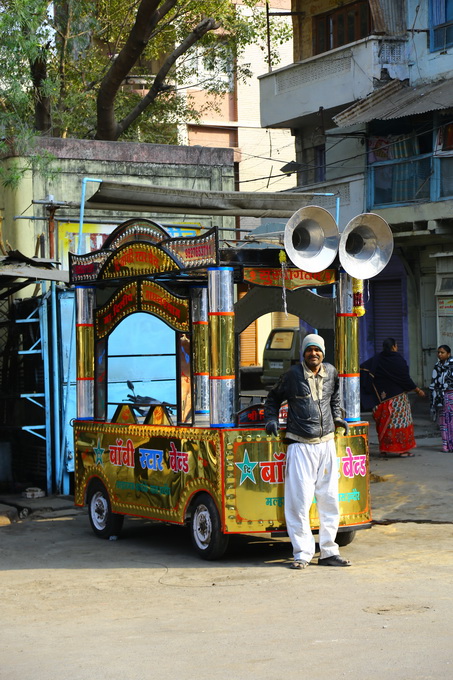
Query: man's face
[313, 357]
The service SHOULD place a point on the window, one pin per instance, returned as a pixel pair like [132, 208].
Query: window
[441, 20]
[212, 64]
[444, 285]
[444, 142]
[341, 26]
[142, 349]
[281, 340]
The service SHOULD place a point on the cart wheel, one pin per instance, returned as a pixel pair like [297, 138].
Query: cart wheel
[103, 521]
[207, 538]
[345, 537]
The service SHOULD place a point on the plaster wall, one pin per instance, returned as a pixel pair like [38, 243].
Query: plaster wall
[20, 235]
[345, 155]
[303, 44]
[259, 153]
[263, 152]
[333, 79]
[418, 213]
[163, 165]
[424, 66]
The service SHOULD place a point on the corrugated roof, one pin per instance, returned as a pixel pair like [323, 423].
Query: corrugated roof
[398, 99]
[16, 265]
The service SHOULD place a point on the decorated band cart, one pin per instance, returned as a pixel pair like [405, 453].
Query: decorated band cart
[201, 460]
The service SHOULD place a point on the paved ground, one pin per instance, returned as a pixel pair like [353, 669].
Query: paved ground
[146, 607]
[411, 489]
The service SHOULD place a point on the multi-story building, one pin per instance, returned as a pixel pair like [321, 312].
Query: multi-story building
[369, 98]
[260, 153]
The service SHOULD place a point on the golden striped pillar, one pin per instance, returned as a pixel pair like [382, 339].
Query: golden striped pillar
[85, 352]
[221, 346]
[347, 349]
[200, 331]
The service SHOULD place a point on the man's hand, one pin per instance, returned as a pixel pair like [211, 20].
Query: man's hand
[339, 422]
[272, 427]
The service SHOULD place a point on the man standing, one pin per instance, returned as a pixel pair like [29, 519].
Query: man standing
[311, 389]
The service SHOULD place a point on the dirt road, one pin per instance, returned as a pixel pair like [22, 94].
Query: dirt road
[76, 607]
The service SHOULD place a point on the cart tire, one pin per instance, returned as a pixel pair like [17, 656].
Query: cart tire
[103, 521]
[205, 530]
[345, 537]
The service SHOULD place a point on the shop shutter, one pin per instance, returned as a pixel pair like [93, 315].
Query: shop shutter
[248, 351]
[248, 346]
[387, 312]
[280, 319]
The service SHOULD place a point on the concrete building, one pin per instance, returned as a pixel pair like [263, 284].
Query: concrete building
[369, 99]
[259, 152]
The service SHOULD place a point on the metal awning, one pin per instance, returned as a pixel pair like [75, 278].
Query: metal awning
[398, 99]
[18, 271]
[149, 198]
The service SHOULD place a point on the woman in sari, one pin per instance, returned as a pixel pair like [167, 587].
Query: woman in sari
[388, 376]
[442, 396]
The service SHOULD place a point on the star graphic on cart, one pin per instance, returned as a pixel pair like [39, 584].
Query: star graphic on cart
[98, 453]
[246, 468]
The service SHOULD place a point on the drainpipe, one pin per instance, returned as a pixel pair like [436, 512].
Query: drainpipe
[55, 387]
[82, 208]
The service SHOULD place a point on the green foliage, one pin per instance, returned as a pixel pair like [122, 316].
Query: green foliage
[31, 158]
[55, 56]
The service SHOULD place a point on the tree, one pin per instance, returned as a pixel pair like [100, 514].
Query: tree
[67, 65]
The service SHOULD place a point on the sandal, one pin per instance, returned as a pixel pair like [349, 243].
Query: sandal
[407, 454]
[298, 564]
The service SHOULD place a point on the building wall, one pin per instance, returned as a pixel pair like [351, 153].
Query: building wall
[424, 65]
[389, 17]
[260, 153]
[303, 43]
[162, 165]
[427, 226]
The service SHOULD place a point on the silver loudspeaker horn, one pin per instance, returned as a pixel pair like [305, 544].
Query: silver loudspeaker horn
[366, 246]
[311, 238]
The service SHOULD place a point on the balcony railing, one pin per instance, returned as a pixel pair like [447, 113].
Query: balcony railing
[415, 180]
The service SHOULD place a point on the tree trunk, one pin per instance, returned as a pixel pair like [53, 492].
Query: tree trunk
[43, 118]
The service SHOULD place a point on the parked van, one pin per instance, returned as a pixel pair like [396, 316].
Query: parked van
[281, 351]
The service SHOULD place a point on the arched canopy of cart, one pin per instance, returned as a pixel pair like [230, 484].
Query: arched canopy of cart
[133, 272]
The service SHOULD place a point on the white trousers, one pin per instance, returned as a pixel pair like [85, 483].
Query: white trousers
[312, 470]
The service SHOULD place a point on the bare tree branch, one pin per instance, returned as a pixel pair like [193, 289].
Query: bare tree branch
[203, 27]
[149, 14]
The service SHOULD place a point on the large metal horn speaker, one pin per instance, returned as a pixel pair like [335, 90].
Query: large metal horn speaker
[366, 246]
[311, 238]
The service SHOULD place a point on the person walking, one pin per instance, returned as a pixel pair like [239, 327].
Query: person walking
[311, 389]
[386, 377]
[441, 388]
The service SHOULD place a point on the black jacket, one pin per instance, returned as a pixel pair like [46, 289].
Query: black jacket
[390, 374]
[306, 418]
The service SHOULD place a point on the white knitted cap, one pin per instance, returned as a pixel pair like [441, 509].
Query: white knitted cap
[313, 339]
